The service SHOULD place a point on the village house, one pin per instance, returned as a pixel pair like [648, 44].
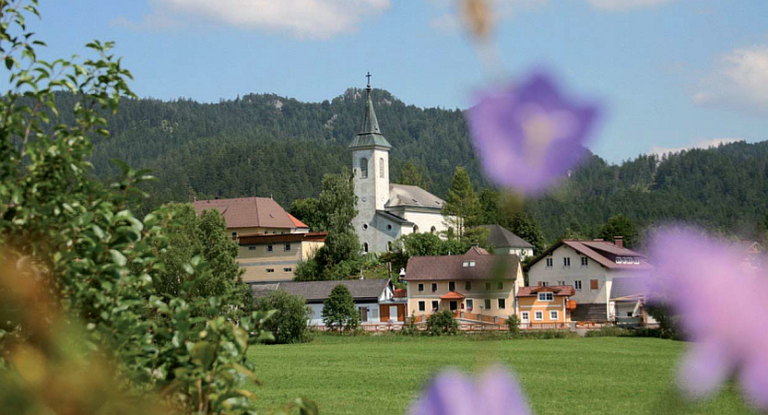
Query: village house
[590, 267]
[627, 306]
[375, 298]
[545, 307]
[505, 242]
[271, 241]
[473, 286]
[386, 211]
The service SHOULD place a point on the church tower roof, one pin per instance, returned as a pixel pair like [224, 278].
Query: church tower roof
[370, 134]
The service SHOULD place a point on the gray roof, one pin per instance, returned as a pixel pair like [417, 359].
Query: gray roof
[500, 237]
[318, 291]
[414, 196]
[370, 133]
[393, 217]
[627, 286]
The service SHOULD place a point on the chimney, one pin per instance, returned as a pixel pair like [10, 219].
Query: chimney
[618, 241]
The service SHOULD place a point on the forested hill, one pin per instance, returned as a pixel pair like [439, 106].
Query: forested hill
[270, 145]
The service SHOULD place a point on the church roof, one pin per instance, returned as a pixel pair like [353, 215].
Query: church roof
[370, 133]
[394, 218]
[413, 196]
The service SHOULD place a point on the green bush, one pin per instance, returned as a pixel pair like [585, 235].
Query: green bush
[289, 324]
[513, 323]
[410, 328]
[442, 323]
[608, 331]
[548, 334]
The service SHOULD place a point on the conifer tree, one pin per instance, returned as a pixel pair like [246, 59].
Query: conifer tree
[411, 175]
[461, 207]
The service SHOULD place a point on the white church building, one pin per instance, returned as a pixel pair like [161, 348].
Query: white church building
[386, 210]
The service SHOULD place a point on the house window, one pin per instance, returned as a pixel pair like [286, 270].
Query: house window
[470, 304]
[561, 283]
[451, 286]
[421, 287]
[381, 167]
[415, 228]
[287, 269]
[487, 286]
[252, 248]
[554, 315]
[389, 246]
[636, 260]
[594, 285]
[567, 262]
[550, 261]
[468, 285]
[269, 248]
[487, 303]
[525, 316]
[365, 247]
[546, 297]
[434, 287]
[287, 248]
[270, 270]
[538, 315]
[363, 168]
[577, 285]
[500, 286]
[502, 303]
[234, 235]
[584, 261]
[432, 230]
[543, 284]
[454, 305]
[471, 263]
[435, 305]
[422, 305]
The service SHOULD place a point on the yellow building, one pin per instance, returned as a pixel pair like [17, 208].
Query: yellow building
[275, 257]
[545, 307]
[475, 286]
[272, 241]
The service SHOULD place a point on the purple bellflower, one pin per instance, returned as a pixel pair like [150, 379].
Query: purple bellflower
[529, 137]
[720, 299]
[452, 393]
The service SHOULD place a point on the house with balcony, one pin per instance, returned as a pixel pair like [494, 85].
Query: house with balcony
[590, 267]
[474, 286]
[545, 306]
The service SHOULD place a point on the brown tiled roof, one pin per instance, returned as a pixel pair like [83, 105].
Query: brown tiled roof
[279, 238]
[451, 267]
[297, 223]
[565, 290]
[400, 293]
[602, 252]
[249, 212]
[453, 295]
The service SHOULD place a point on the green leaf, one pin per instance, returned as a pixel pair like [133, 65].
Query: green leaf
[204, 352]
[118, 258]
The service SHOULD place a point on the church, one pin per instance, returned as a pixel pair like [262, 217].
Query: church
[386, 211]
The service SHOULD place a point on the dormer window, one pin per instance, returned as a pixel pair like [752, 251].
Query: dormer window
[546, 297]
[468, 264]
[636, 260]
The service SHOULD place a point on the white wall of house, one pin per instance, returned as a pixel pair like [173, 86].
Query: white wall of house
[521, 252]
[425, 221]
[373, 313]
[577, 275]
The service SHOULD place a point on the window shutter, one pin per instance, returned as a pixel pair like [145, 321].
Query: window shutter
[593, 284]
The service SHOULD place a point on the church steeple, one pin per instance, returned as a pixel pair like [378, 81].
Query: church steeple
[370, 134]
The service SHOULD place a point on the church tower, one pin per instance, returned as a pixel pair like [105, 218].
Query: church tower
[370, 165]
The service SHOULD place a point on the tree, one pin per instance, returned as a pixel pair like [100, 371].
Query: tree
[339, 311]
[620, 225]
[289, 324]
[513, 324]
[490, 204]
[308, 211]
[523, 225]
[461, 207]
[411, 175]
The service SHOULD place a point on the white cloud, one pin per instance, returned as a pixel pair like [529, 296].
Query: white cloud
[302, 18]
[621, 5]
[739, 80]
[704, 144]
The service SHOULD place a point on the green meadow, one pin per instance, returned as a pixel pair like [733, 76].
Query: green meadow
[382, 374]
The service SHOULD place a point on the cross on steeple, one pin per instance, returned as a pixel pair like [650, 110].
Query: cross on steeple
[369, 79]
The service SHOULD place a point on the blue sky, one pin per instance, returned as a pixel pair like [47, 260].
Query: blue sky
[671, 73]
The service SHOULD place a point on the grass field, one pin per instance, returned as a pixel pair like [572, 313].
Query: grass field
[382, 375]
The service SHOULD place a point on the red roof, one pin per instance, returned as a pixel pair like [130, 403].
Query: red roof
[400, 293]
[565, 290]
[476, 264]
[296, 222]
[281, 238]
[453, 295]
[250, 212]
[602, 252]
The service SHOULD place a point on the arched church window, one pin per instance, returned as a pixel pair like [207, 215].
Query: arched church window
[363, 168]
[415, 228]
[365, 247]
[381, 167]
[433, 230]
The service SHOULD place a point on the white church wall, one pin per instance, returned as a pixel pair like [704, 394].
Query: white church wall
[425, 221]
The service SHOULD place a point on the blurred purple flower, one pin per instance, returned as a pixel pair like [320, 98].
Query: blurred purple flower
[529, 137]
[721, 302]
[452, 393]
